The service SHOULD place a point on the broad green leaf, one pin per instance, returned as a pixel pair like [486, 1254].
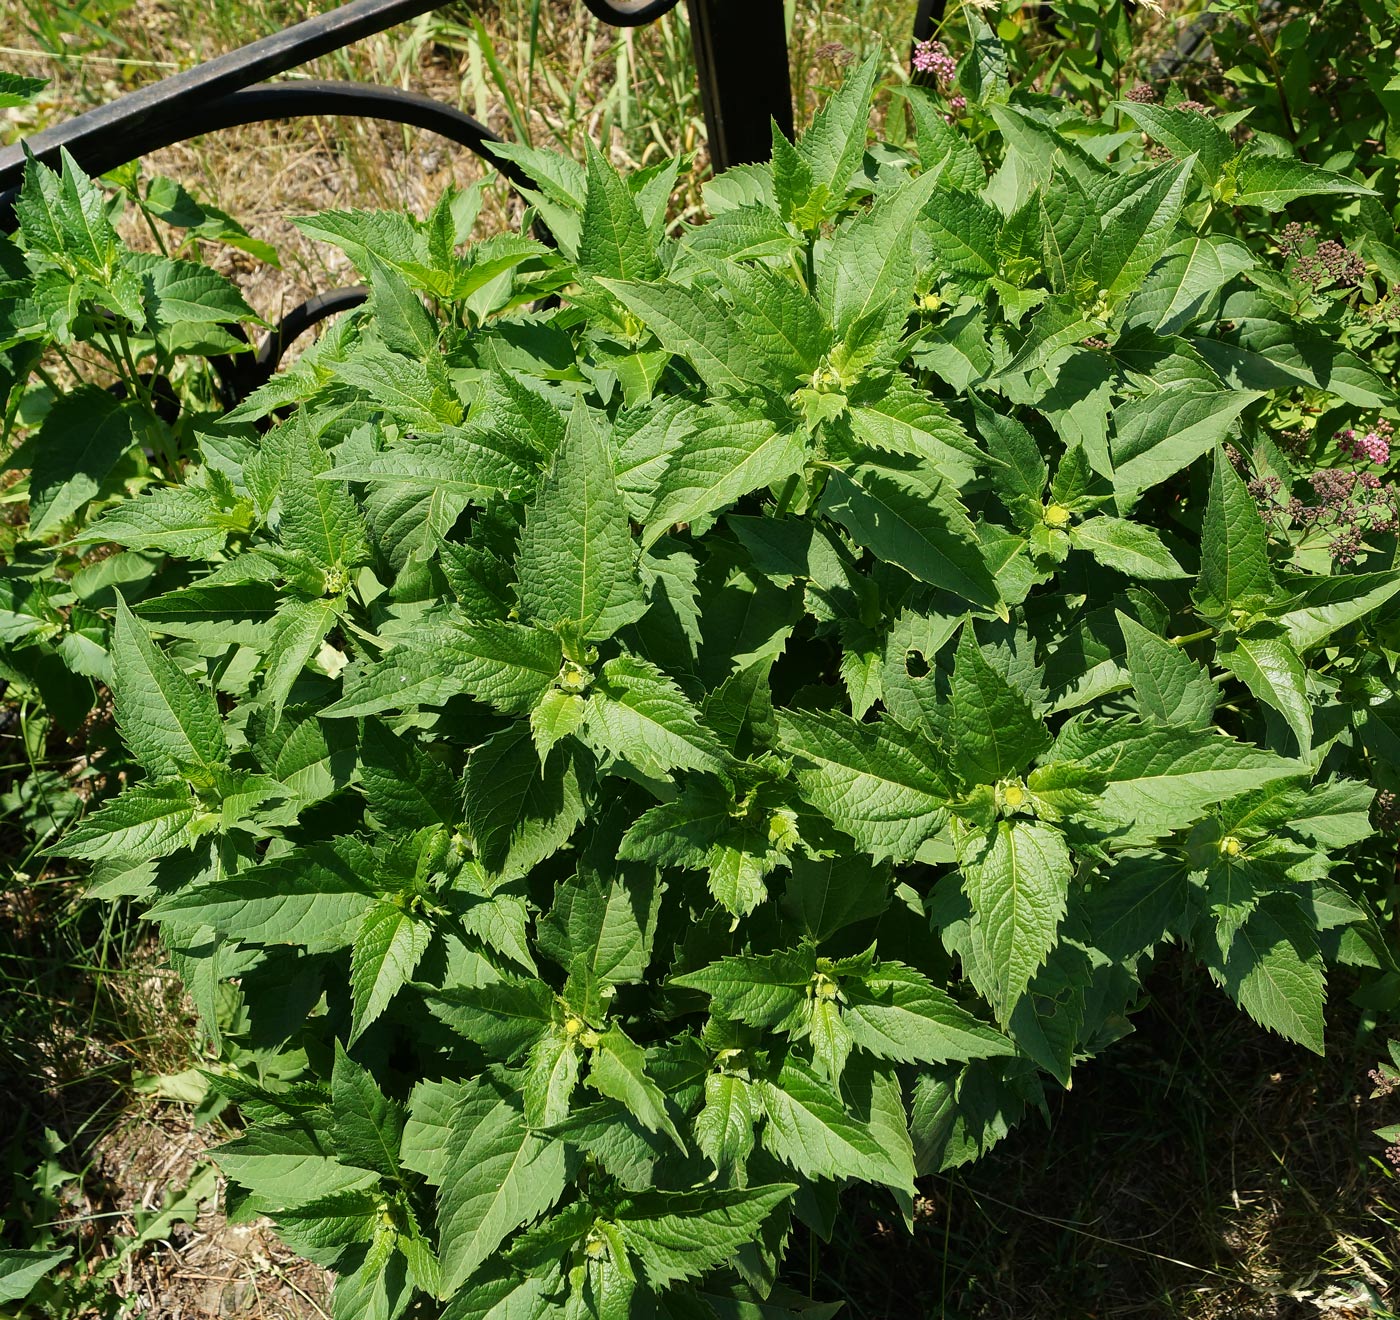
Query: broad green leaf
[1184, 133]
[763, 990]
[1170, 687]
[1138, 230]
[405, 787]
[1273, 181]
[84, 436]
[681, 1235]
[577, 564]
[151, 819]
[992, 727]
[826, 894]
[1163, 779]
[366, 1126]
[726, 457]
[601, 928]
[20, 1271]
[724, 1128]
[287, 1167]
[957, 236]
[168, 720]
[1017, 881]
[809, 1129]
[1235, 568]
[638, 715]
[387, 948]
[300, 628]
[615, 240]
[1320, 606]
[499, 1177]
[313, 898]
[895, 1012]
[506, 664]
[1275, 973]
[911, 520]
[1264, 660]
[833, 144]
[617, 1069]
[692, 324]
[519, 811]
[882, 784]
[1129, 547]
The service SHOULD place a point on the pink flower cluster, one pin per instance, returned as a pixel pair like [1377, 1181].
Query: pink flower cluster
[932, 57]
[1373, 447]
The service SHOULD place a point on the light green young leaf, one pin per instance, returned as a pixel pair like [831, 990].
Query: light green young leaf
[615, 240]
[724, 1127]
[1129, 547]
[1017, 880]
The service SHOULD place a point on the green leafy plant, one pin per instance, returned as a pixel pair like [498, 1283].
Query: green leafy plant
[626, 768]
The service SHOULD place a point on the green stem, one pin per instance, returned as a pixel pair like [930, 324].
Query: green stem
[1191, 637]
[1275, 71]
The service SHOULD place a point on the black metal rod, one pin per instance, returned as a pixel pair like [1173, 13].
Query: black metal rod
[179, 97]
[742, 60]
[287, 100]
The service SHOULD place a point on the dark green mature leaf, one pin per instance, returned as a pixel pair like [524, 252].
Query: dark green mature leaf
[170, 722]
[991, 725]
[1169, 686]
[1273, 181]
[882, 784]
[1235, 568]
[616, 240]
[82, 439]
[1017, 880]
[895, 1012]
[519, 811]
[1264, 660]
[912, 520]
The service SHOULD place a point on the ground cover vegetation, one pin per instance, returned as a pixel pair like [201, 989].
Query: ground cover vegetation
[630, 737]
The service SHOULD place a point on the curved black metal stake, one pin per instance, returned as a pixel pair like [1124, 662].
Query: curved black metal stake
[240, 375]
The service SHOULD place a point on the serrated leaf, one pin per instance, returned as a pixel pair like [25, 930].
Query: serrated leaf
[991, 725]
[615, 240]
[617, 1069]
[1129, 547]
[520, 811]
[387, 948]
[640, 716]
[726, 458]
[1234, 544]
[151, 819]
[577, 562]
[809, 1129]
[81, 440]
[1169, 686]
[1017, 881]
[168, 721]
[367, 1126]
[724, 1127]
[681, 1235]
[762, 990]
[882, 784]
[1275, 973]
[1264, 660]
[506, 664]
[895, 1012]
[915, 523]
[1274, 181]
[499, 1177]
